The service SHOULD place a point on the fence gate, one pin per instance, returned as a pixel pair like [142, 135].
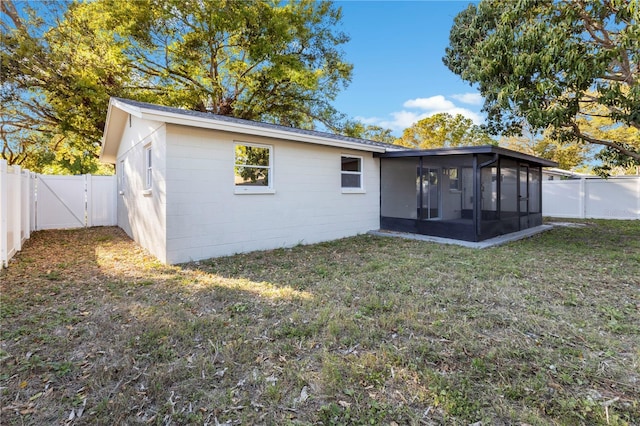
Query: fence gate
[75, 201]
[61, 202]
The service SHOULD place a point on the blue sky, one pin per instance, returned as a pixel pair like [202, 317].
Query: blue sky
[396, 48]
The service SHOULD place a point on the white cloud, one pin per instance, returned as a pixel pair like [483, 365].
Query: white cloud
[469, 98]
[419, 108]
[369, 120]
[437, 103]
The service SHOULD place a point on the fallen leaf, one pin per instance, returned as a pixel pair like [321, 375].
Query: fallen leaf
[304, 395]
[271, 379]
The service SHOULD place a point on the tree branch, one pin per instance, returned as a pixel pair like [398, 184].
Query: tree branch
[633, 154]
[9, 9]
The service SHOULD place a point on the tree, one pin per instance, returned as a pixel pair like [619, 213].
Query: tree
[356, 129]
[58, 70]
[568, 155]
[554, 64]
[444, 130]
[256, 60]
[259, 60]
[598, 124]
[23, 117]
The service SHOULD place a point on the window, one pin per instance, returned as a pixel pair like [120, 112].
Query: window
[148, 170]
[253, 168]
[351, 171]
[455, 183]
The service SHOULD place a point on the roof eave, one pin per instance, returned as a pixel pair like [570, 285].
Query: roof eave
[247, 129]
[485, 149]
[113, 129]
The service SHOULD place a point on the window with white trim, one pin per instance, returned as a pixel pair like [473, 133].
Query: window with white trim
[253, 167]
[351, 172]
[148, 167]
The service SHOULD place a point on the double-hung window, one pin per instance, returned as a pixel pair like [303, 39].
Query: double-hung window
[351, 173]
[253, 168]
[148, 168]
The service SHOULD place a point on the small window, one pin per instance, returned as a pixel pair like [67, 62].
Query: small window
[148, 167]
[253, 167]
[455, 183]
[351, 171]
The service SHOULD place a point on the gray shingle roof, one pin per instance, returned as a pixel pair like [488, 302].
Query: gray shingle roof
[227, 119]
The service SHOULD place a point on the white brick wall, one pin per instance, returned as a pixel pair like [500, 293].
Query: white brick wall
[143, 216]
[205, 218]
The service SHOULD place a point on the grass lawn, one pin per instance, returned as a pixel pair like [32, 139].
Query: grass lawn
[365, 330]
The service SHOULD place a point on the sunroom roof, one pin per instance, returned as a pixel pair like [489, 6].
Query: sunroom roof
[467, 150]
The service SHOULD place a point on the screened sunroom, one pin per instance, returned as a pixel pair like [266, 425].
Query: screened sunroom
[469, 193]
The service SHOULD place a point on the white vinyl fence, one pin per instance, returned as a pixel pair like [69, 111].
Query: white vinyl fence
[613, 198]
[30, 202]
[75, 201]
[16, 209]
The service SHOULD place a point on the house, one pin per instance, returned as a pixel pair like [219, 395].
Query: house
[553, 173]
[194, 185]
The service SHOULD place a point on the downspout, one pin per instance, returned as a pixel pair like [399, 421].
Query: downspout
[488, 162]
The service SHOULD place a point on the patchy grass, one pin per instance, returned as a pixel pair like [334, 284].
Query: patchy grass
[364, 330]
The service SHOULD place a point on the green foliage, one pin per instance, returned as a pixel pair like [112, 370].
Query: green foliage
[356, 129]
[562, 65]
[254, 60]
[58, 70]
[568, 155]
[444, 130]
[614, 164]
[61, 62]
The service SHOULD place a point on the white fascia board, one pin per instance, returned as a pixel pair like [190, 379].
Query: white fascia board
[114, 123]
[129, 109]
[205, 123]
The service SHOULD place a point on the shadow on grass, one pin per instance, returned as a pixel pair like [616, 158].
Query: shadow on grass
[357, 331]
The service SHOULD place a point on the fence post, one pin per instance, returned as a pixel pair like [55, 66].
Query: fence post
[638, 197]
[4, 249]
[17, 207]
[25, 200]
[88, 183]
[583, 198]
[32, 201]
